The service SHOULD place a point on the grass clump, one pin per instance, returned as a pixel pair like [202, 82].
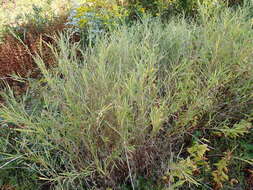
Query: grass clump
[122, 107]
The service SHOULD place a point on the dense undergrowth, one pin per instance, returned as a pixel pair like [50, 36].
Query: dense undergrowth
[149, 104]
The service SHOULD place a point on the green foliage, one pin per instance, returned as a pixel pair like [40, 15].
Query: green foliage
[152, 7]
[237, 130]
[248, 149]
[98, 15]
[143, 184]
[182, 172]
[197, 153]
[18, 179]
[13, 173]
[220, 175]
[225, 170]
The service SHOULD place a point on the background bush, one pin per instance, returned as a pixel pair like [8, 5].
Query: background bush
[98, 15]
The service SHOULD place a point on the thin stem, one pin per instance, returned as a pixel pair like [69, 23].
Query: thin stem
[129, 168]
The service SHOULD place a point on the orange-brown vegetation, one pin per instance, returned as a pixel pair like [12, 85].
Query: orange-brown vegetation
[16, 55]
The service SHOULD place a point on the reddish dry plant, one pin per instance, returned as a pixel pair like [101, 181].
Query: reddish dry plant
[16, 57]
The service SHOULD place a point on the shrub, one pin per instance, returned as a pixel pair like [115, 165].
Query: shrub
[99, 15]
